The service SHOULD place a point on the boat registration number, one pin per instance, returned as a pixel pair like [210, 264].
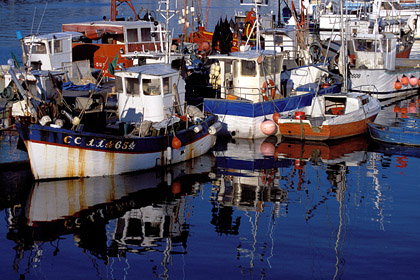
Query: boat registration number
[101, 143]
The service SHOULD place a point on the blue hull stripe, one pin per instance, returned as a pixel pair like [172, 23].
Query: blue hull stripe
[253, 110]
[108, 143]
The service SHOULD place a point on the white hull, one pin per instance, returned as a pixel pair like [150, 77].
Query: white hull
[55, 161]
[381, 83]
[243, 127]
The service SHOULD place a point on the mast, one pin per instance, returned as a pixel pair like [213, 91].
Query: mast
[343, 46]
[167, 14]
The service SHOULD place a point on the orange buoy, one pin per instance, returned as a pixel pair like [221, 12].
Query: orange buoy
[268, 127]
[404, 80]
[276, 117]
[176, 187]
[267, 149]
[397, 109]
[325, 85]
[397, 84]
[299, 115]
[413, 81]
[176, 143]
[404, 110]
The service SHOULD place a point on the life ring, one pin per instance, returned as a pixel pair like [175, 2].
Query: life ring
[264, 89]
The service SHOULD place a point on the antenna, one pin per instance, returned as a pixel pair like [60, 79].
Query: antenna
[167, 14]
[43, 13]
[33, 19]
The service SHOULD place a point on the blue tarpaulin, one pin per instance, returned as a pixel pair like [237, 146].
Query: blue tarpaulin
[71, 86]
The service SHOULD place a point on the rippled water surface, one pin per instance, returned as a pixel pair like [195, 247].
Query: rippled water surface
[342, 210]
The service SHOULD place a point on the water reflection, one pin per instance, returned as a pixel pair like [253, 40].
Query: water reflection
[259, 206]
[263, 179]
[247, 194]
[246, 180]
[9, 140]
[108, 217]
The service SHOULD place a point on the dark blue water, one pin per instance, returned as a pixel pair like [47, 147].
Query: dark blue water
[343, 210]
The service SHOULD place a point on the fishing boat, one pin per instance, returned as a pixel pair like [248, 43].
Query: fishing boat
[377, 71]
[249, 96]
[402, 133]
[153, 128]
[253, 87]
[103, 40]
[330, 116]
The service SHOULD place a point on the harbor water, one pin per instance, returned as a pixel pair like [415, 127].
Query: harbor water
[346, 209]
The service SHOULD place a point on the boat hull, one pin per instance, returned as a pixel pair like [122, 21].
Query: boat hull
[384, 82]
[301, 129]
[242, 119]
[396, 135]
[61, 153]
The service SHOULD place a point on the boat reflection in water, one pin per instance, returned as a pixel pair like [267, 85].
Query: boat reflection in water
[247, 191]
[352, 151]
[247, 172]
[335, 158]
[268, 199]
[261, 182]
[108, 216]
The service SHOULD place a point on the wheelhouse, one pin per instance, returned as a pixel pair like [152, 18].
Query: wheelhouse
[149, 92]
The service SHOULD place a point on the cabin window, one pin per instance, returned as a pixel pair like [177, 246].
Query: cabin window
[235, 69]
[278, 40]
[151, 87]
[335, 105]
[366, 46]
[40, 48]
[166, 85]
[248, 68]
[365, 101]
[58, 46]
[387, 45]
[228, 67]
[271, 65]
[118, 84]
[132, 86]
[132, 35]
[146, 35]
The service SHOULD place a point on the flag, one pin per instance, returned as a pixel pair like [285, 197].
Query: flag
[113, 65]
